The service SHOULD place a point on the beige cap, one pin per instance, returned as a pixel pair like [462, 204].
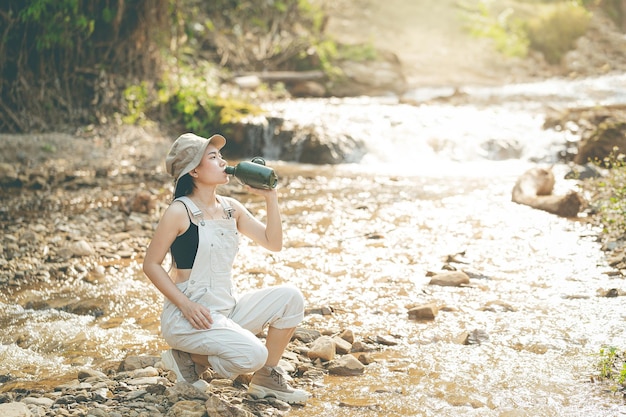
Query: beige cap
[187, 152]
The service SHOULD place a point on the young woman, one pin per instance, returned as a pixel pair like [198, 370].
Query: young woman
[203, 320]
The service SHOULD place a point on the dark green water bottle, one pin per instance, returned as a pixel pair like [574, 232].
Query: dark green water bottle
[254, 173]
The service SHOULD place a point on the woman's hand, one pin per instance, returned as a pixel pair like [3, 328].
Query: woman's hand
[198, 315]
[264, 192]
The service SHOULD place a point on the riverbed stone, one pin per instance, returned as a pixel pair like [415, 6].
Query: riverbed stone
[38, 401]
[322, 348]
[386, 340]
[341, 346]
[14, 409]
[131, 363]
[81, 248]
[306, 335]
[424, 312]
[474, 337]
[187, 409]
[450, 279]
[347, 335]
[216, 406]
[86, 373]
[346, 365]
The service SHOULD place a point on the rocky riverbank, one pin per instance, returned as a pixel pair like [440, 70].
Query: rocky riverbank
[75, 208]
[141, 387]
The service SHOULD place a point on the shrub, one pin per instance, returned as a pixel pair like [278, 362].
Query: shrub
[506, 30]
[555, 31]
[612, 367]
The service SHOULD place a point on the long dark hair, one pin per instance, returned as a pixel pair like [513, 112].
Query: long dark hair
[184, 186]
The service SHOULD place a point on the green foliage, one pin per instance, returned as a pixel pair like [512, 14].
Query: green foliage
[611, 198]
[60, 22]
[205, 114]
[69, 61]
[504, 29]
[357, 53]
[190, 99]
[555, 31]
[550, 27]
[137, 102]
[612, 366]
[48, 147]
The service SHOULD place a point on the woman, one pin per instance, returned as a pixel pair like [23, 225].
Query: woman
[203, 321]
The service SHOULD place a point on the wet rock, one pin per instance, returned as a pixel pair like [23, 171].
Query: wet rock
[15, 409]
[38, 401]
[502, 149]
[386, 340]
[187, 409]
[424, 312]
[497, 306]
[583, 172]
[131, 363]
[365, 358]
[341, 346]
[450, 279]
[346, 365]
[96, 275]
[81, 248]
[475, 337]
[347, 335]
[360, 346]
[322, 348]
[306, 335]
[85, 308]
[86, 373]
[216, 406]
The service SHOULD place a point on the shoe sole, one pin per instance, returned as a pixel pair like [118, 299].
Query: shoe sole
[258, 392]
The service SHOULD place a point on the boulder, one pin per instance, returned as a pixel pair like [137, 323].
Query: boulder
[534, 188]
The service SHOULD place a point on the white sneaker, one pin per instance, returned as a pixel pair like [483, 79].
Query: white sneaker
[272, 382]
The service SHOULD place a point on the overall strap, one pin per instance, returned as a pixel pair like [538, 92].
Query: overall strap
[228, 210]
[195, 211]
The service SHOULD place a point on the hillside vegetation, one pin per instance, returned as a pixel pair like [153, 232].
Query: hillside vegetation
[70, 63]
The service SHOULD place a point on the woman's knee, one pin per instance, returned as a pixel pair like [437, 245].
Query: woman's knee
[248, 360]
[295, 297]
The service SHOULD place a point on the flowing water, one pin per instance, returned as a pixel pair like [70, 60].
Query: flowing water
[361, 238]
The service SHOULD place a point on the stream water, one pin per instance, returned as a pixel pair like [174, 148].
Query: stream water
[361, 238]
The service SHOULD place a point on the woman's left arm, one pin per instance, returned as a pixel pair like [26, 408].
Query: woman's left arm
[269, 235]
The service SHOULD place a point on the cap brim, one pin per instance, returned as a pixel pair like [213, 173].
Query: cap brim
[218, 141]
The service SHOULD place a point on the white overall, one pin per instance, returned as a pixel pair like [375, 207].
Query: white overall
[231, 343]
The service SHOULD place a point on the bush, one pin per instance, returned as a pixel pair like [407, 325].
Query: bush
[189, 97]
[610, 198]
[549, 27]
[555, 31]
[505, 29]
[612, 367]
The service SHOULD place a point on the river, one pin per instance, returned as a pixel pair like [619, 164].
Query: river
[362, 237]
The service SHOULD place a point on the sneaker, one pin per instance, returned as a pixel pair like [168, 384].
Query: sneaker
[185, 369]
[272, 382]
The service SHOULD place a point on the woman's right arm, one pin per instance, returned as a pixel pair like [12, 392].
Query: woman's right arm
[170, 226]
[173, 223]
